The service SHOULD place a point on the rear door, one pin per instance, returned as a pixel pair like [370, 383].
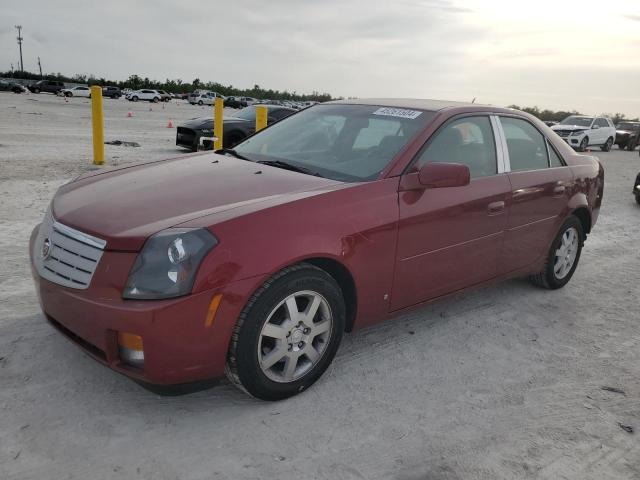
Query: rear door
[450, 238]
[541, 186]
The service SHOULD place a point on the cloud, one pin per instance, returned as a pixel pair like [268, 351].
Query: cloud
[632, 17]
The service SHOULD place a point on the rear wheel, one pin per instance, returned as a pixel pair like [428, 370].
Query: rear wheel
[200, 102]
[288, 333]
[607, 145]
[563, 256]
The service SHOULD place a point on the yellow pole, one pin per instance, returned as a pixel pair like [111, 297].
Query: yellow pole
[97, 118]
[261, 117]
[218, 108]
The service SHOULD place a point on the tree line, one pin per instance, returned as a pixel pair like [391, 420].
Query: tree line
[136, 82]
[558, 116]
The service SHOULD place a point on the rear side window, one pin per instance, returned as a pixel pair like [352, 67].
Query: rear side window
[554, 159]
[468, 141]
[527, 146]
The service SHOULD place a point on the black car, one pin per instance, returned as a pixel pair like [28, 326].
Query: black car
[49, 86]
[235, 129]
[627, 135]
[234, 102]
[111, 92]
[636, 188]
[11, 87]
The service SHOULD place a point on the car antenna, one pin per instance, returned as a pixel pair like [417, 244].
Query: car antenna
[474, 100]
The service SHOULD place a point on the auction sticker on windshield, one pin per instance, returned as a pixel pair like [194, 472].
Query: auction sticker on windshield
[398, 112]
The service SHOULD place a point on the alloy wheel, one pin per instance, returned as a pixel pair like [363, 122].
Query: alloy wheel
[566, 253]
[294, 336]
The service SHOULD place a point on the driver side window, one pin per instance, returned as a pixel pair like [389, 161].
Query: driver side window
[468, 141]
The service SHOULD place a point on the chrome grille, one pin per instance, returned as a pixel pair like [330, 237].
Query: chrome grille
[563, 133]
[66, 256]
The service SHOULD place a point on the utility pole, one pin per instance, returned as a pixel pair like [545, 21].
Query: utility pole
[19, 28]
[40, 67]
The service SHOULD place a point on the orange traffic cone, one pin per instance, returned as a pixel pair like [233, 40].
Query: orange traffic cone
[170, 124]
[129, 114]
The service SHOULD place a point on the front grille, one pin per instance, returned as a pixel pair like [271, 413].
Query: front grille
[563, 133]
[66, 256]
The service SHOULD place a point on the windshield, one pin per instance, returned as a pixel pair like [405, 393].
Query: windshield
[578, 121]
[628, 126]
[349, 143]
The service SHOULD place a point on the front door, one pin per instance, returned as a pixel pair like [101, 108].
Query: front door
[450, 238]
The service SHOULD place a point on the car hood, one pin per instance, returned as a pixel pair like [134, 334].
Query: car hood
[207, 122]
[126, 205]
[569, 127]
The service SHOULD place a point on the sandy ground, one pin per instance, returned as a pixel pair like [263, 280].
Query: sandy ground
[502, 383]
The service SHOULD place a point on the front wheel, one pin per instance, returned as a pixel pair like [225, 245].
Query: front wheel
[155, 100]
[200, 102]
[135, 99]
[607, 146]
[583, 144]
[563, 256]
[288, 333]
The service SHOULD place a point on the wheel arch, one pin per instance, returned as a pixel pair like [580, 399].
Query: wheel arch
[344, 278]
[584, 215]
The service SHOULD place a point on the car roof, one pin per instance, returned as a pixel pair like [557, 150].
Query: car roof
[421, 104]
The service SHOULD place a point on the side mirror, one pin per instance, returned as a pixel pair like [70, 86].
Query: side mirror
[442, 175]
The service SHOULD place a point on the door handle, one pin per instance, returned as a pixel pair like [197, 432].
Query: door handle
[495, 208]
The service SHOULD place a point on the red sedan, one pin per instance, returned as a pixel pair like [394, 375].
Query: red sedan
[254, 261]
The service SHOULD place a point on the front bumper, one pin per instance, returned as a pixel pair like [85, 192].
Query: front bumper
[179, 347]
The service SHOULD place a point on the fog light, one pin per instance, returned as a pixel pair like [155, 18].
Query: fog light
[130, 349]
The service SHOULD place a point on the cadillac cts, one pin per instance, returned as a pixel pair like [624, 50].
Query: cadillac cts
[254, 261]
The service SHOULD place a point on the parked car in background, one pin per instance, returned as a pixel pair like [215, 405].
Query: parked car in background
[12, 87]
[581, 132]
[234, 102]
[202, 97]
[627, 135]
[144, 94]
[80, 91]
[111, 92]
[550, 123]
[254, 261]
[48, 86]
[235, 128]
[164, 96]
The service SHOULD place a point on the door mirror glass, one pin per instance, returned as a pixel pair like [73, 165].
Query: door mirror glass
[442, 175]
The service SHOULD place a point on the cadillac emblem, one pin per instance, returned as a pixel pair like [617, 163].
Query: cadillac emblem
[47, 246]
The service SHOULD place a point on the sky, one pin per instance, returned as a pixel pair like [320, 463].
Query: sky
[551, 54]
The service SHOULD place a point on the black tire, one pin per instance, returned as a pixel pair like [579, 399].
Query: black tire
[69, 94]
[622, 146]
[36, 90]
[638, 199]
[547, 277]
[134, 98]
[155, 100]
[200, 102]
[243, 368]
[583, 144]
[607, 146]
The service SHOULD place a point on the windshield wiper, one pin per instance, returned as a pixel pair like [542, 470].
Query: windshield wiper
[232, 152]
[288, 166]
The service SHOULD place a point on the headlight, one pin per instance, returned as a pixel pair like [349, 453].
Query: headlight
[167, 265]
[577, 133]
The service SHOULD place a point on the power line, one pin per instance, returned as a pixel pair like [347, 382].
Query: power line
[19, 28]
